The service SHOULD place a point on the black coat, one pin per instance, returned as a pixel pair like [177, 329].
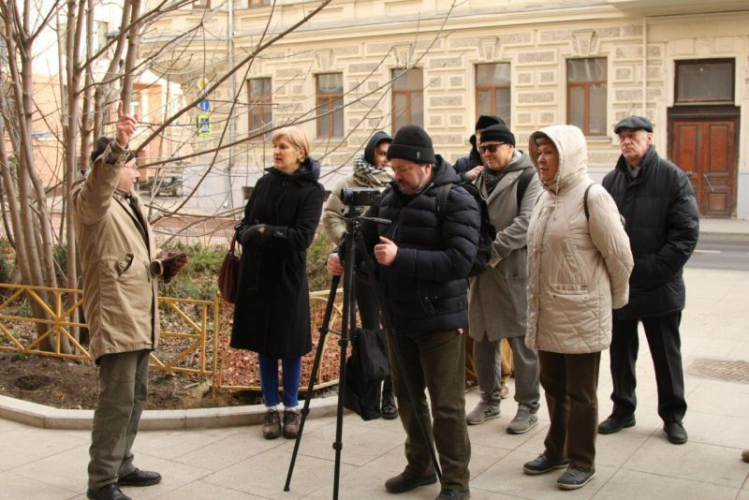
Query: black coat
[662, 222]
[426, 285]
[272, 315]
[473, 160]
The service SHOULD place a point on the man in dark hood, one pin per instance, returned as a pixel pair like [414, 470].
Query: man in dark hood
[369, 172]
[469, 167]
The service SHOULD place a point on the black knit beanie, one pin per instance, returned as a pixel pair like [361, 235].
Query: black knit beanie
[486, 121]
[497, 133]
[412, 143]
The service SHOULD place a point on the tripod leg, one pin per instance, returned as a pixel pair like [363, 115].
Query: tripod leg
[349, 323]
[385, 311]
[313, 376]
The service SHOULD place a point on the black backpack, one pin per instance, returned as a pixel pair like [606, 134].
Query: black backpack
[487, 232]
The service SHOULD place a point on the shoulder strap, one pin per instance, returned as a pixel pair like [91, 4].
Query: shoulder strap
[585, 201]
[444, 192]
[523, 181]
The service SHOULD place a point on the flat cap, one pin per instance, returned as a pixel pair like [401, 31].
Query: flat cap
[634, 123]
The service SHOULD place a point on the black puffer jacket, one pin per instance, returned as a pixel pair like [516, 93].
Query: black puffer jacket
[427, 283]
[466, 163]
[662, 221]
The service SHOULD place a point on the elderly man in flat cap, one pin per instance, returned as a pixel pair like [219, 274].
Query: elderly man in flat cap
[658, 204]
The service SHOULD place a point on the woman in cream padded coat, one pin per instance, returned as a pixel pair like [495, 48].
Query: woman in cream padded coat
[578, 271]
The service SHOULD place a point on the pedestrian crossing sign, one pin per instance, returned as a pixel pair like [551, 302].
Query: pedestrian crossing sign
[204, 125]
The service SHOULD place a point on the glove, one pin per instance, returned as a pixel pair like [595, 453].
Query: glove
[172, 264]
[248, 233]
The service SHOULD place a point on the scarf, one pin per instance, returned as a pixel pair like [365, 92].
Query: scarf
[370, 175]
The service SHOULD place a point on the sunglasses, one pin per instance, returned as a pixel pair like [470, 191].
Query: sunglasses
[492, 148]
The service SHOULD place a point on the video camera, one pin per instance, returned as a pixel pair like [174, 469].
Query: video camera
[360, 197]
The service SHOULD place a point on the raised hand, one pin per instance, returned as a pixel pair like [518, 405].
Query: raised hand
[126, 125]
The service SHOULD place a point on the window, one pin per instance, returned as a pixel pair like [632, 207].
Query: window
[493, 90]
[259, 98]
[408, 98]
[100, 29]
[586, 95]
[201, 4]
[329, 103]
[258, 3]
[705, 81]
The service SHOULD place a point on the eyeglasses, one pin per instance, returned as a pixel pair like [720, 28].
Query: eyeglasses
[492, 148]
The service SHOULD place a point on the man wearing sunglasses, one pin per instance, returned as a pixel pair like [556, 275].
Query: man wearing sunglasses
[497, 299]
[470, 166]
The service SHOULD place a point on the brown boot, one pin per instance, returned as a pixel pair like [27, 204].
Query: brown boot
[290, 424]
[272, 425]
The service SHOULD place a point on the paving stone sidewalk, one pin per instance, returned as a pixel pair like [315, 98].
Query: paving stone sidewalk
[236, 463]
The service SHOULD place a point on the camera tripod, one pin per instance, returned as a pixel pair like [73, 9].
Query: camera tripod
[353, 246]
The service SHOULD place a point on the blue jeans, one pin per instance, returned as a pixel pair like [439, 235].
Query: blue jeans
[292, 371]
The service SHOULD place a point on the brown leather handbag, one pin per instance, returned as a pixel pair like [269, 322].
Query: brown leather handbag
[228, 275]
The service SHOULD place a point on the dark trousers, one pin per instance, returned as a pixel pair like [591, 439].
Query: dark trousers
[434, 361]
[123, 389]
[369, 311]
[664, 340]
[570, 382]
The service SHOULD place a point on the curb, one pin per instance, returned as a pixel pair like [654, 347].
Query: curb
[46, 417]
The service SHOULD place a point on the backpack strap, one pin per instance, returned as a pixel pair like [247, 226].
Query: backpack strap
[523, 181]
[585, 201]
[444, 192]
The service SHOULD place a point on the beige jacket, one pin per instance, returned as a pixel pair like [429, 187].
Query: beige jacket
[578, 269]
[120, 271]
[332, 217]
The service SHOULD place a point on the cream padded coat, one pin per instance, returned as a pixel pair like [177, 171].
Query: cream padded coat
[578, 269]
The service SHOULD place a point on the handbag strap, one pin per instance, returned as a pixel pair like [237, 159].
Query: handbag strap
[233, 244]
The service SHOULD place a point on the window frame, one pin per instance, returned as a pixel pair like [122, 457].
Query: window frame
[408, 93]
[492, 91]
[264, 101]
[326, 103]
[201, 4]
[689, 62]
[586, 93]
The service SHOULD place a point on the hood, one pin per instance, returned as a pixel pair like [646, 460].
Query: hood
[375, 141]
[308, 171]
[573, 154]
[520, 160]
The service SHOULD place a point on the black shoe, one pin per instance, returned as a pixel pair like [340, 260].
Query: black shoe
[108, 492]
[675, 432]
[406, 481]
[452, 494]
[389, 411]
[574, 479]
[615, 423]
[542, 465]
[140, 478]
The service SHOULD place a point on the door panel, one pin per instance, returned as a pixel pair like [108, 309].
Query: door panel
[705, 148]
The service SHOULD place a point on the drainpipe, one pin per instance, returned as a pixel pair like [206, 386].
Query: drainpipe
[644, 66]
[232, 93]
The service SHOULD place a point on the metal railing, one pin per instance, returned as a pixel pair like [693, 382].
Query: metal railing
[194, 334]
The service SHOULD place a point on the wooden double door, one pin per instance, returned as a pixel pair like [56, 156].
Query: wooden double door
[703, 142]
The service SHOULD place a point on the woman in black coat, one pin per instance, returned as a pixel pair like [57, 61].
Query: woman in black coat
[272, 314]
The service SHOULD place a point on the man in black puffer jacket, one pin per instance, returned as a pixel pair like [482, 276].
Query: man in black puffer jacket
[423, 260]
[662, 221]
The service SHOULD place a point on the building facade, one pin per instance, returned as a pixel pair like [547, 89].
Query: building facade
[365, 65]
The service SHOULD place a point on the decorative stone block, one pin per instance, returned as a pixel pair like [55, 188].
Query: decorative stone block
[348, 50]
[535, 97]
[537, 57]
[547, 118]
[456, 120]
[525, 78]
[654, 52]
[629, 52]
[608, 32]
[456, 81]
[655, 72]
[285, 73]
[525, 118]
[447, 139]
[547, 77]
[435, 120]
[632, 31]
[462, 43]
[446, 62]
[372, 85]
[623, 74]
[362, 68]
[628, 95]
[556, 36]
[446, 101]
[654, 93]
